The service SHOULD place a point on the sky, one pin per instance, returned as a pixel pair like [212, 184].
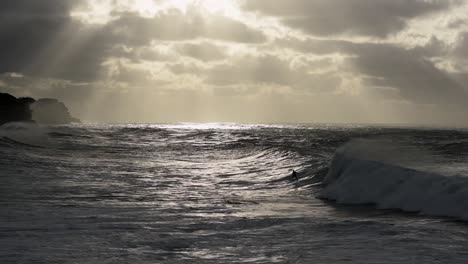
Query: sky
[255, 61]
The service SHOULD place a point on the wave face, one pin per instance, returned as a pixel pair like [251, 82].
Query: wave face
[353, 180]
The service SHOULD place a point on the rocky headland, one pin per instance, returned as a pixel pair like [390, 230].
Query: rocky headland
[26, 109]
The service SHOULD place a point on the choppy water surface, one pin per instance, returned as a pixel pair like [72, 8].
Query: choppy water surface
[221, 193]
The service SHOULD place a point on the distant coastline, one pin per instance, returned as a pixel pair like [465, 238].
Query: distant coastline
[26, 109]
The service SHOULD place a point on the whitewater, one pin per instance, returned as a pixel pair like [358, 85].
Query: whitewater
[223, 193]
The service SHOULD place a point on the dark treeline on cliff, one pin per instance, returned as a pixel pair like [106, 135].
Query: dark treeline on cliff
[27, 109]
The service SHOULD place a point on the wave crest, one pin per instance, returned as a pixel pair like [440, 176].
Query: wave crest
[353, 180]
[24, 134]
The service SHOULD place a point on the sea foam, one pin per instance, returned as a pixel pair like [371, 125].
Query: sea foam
[351, 179]
[25, 133]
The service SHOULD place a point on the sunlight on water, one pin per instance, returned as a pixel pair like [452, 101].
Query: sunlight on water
[207, 193]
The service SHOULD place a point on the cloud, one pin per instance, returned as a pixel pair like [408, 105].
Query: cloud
[394, 71]
[45, 9]
[133, 74]
[416, 78]
[433, 48]
[377, 18]
[360, 55]
[456, 59]
[42, 40]
[175, 25]
[152, 53]
[315, 46]
[461, 45]
[26, 28]
[39, 38]
[204, 51]
[270, 69]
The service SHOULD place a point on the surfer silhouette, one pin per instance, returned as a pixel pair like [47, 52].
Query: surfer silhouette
[294, 175]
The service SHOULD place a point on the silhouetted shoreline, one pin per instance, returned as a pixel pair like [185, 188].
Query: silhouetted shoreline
[27, 109]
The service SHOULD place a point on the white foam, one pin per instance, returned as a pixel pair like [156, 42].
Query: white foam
[27, 133]
[353, 180]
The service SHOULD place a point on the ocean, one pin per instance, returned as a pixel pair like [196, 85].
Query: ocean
[223, 193]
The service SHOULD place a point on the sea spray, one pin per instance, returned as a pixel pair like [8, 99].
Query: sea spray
[351, 179]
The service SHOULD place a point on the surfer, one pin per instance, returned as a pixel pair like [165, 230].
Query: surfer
[294, 175]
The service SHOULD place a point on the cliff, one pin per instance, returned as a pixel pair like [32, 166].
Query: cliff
[51, 111]
[13, 109]
[42, 111]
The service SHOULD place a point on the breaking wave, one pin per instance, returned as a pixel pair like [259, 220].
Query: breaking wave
[353, 179]
[23, 134]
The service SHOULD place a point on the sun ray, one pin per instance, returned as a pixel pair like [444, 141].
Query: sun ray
[101, 11]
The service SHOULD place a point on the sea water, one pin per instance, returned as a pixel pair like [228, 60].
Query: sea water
[223, 193]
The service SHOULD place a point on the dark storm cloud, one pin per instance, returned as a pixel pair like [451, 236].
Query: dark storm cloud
[27, 8]
[378, 18]
[415, 77]
[175, 25]
[269, 69]
[39, 38]
[26, 27]
[407, 71]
